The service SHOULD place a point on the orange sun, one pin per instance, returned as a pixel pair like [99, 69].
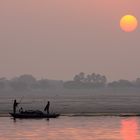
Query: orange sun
[128, 23]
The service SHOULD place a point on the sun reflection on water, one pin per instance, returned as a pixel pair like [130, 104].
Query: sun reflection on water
[129, 129]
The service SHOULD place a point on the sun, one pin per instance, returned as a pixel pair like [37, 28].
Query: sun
[128, 23]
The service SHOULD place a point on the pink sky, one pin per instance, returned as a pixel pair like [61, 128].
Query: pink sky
[57, 39]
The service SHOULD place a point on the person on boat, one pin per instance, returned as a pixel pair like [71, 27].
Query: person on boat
[21, 110]
[15, 106]
[47, 108]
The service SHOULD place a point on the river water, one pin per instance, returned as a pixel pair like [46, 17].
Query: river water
[71, 128]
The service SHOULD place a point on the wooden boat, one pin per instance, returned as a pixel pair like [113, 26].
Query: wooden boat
[34, 114]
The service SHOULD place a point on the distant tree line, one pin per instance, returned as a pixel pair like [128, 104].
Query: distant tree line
[87, 81]
[80, 81]
[94, 80]
[125, 83]
[26, 83]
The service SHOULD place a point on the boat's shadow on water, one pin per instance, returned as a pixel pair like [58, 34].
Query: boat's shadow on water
[20, 119]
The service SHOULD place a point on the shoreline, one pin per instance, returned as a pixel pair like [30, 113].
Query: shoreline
[91, 115]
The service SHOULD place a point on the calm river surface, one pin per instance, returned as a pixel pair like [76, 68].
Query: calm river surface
[71, 128]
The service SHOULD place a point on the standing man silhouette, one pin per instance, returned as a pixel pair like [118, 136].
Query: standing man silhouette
[47, 108]
[15, 106]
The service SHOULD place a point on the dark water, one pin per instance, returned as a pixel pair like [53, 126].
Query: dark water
[71, 128]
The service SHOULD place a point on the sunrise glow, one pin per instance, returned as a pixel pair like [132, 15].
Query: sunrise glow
[128, 23]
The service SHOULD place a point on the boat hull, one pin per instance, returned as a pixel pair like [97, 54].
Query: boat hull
[26, 116]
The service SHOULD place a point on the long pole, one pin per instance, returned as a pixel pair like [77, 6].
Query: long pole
[21, 99]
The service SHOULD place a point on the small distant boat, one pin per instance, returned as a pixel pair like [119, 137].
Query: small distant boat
[34, 114]
[129, 115]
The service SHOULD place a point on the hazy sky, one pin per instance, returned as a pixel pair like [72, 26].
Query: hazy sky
[60, 38]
